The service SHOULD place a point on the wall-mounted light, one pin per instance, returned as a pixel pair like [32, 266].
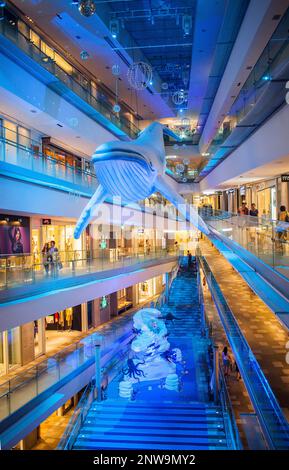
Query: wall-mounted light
[187, 24]
[114, 28]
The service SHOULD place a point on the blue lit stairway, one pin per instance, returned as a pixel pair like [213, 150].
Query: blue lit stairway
[137, 425]
[157, 418]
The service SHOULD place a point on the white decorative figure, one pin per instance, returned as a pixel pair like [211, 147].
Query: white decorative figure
[135, 170]
[150, 348]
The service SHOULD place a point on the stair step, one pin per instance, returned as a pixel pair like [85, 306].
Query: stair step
[140, 446]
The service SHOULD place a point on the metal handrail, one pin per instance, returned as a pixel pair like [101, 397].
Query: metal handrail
[97, 104]
[224, 310]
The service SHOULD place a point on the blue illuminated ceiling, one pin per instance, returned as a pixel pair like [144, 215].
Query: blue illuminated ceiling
[163, 31]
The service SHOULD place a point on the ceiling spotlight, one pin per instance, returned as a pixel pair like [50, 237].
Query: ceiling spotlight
[87, 7]
[266, 78]
[187, 24]
[114, 28]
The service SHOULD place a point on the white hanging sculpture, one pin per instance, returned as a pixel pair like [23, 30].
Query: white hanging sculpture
[133, 171]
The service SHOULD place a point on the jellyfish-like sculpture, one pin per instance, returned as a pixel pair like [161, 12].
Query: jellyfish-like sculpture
[133, 171]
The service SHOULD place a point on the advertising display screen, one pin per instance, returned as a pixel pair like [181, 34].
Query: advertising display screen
[14, 235]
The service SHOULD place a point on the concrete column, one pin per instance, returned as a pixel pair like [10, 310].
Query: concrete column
[95, 313]
[75, 399]
[113, 304]
[84, 318]
[60, 411]
[42, 335]
[30, 440]
[5, 352]
[27, 343]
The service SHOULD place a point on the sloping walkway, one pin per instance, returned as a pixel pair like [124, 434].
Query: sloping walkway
[266, 336]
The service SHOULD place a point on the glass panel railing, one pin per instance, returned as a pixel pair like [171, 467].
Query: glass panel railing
[24, 269]
[273, 422]
[11, 32]
[268, 239]
[271, 68]
[25, 158]
[27, 385]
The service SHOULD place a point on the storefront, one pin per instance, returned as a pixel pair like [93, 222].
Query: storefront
[47, 230]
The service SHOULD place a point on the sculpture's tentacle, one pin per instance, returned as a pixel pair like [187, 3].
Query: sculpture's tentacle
[191, 215]
[87, 213]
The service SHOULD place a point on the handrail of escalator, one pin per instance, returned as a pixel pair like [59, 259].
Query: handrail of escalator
[269, 412]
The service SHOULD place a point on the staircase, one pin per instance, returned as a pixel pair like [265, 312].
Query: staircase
[157, 419]
[157, 426]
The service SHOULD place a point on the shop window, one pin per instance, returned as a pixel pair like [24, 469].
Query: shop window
[68, 319]
[35, 39]
[63, 64]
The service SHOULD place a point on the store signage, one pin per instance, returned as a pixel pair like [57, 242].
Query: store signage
[103, 302]
[285, 178]
[46, 221]
[103, 244]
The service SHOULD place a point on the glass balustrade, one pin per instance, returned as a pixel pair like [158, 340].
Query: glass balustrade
[266, 238]
[24, 269]
[20, 390]
[271, 417]
[76, 83]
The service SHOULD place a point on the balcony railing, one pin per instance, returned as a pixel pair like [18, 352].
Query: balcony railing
[11, 33]
[24, 269]
[271, 417]
[27, 385]
[266, 238]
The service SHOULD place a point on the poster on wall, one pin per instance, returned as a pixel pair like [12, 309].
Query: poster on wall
[14, 235]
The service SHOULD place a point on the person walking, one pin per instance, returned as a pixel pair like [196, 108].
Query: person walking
[46, 257]
[226, 361]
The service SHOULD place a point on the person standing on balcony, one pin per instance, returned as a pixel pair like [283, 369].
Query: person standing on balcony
[45, 257]
[243, 209]
[53, 252]
[253, 211]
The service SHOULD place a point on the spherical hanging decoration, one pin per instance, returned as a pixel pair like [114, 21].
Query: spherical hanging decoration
[180, 168]
[139, 75]
[115, 70]
[87, 7]
[178, 97]
[116, 108]
[84, 55]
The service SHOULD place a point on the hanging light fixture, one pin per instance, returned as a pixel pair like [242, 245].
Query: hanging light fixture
[84, 55]
[87, 7]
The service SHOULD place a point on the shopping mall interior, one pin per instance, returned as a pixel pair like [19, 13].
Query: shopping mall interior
[144, 225]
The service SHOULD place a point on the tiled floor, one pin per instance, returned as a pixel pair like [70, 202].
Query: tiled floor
[266, 336]
[51, 431]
